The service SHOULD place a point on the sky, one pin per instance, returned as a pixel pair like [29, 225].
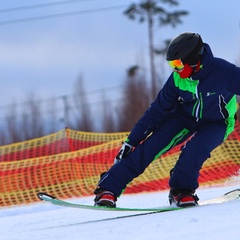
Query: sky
[45, 221]
[95, 42]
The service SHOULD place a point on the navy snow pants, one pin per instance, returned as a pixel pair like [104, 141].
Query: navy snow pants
[173, 131]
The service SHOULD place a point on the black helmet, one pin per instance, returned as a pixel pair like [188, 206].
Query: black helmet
[187, 46]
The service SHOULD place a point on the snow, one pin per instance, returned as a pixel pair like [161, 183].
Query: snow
[45, 221]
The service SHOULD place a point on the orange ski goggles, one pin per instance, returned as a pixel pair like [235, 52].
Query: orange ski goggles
[176, 64]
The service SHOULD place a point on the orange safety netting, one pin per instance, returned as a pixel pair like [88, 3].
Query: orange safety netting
[68, 164]
[63, 141]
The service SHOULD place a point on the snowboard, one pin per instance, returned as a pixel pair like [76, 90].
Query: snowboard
[229, 196]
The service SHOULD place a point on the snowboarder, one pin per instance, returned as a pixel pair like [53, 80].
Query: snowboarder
[199, 101]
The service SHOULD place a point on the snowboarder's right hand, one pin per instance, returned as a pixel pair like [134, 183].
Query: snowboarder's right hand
[123, 152]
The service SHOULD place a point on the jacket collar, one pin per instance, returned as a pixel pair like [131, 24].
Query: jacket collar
[206, 61]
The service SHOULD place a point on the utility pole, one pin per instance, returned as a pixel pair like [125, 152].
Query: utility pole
[154, 89]
[65, 107]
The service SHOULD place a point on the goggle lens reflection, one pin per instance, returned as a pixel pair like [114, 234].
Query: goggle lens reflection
[176, 64]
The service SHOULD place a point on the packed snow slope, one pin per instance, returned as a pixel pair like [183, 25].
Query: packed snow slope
[43, 221]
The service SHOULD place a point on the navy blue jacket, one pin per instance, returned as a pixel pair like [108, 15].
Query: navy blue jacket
[210, 95]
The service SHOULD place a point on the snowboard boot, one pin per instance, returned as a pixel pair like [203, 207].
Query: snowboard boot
[104, 198]
[183, 198]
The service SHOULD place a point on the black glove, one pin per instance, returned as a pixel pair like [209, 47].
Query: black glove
[123, 152]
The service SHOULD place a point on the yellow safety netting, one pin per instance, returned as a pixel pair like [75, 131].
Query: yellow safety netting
[68, 164]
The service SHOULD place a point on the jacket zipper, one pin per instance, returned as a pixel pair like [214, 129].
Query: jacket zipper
[198, 104]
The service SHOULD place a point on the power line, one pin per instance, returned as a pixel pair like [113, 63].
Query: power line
[43, 5]
[97, 91]
[59, 15]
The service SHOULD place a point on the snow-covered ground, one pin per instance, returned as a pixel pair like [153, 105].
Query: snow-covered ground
[43, 221]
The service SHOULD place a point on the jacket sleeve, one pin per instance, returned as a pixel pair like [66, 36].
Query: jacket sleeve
[234, 86]
[157, 112]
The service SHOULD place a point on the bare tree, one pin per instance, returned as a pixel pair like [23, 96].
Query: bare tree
[83, 118]
[146, 11]
[13, 129]
[24, 125]
[136, 99]
[32, 124]
[52, 116]
[108, 118]
[3, 137]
